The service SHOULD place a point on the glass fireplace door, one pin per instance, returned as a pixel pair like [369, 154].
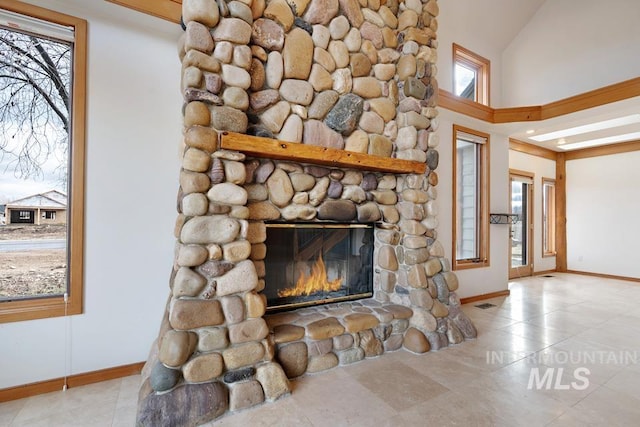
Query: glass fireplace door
[310, 264]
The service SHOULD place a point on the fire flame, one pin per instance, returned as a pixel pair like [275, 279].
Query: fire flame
[316, 282]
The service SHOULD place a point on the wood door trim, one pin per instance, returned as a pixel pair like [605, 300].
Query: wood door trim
[516, 272]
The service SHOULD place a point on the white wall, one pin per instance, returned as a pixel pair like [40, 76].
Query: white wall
[540, 168]
[456, 25]
[571, 47]
[486, 28]
[134, 130]
[602, 210]
[476, 281]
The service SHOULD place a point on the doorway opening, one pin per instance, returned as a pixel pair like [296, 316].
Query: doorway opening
[521, 231]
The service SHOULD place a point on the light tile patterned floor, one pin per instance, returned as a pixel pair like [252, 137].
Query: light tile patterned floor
[567, 321]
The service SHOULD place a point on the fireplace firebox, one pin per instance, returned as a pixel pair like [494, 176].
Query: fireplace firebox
[316, 263]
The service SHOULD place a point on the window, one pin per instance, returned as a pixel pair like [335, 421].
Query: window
[471, 196]
[37, 43]
[470, 75]
[548, 217]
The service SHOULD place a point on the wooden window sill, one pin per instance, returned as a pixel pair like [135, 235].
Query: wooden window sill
[469, 265]
[38, 308]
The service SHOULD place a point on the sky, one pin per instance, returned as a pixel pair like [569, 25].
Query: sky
[463, 78]
[20, 114]
[13, 188]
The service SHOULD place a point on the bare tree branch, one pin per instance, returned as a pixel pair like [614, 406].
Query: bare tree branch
[35, 102]
[53, 72]
[41, 90]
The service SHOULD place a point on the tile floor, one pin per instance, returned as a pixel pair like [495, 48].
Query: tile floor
[566, 322]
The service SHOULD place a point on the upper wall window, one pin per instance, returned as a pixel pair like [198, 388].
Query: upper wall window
[470, 75]
[471, 198]
[42, 118]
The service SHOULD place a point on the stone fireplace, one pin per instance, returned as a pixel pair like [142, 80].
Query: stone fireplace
[319, 115]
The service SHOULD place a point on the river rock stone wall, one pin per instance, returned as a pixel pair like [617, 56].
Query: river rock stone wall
[355, 75]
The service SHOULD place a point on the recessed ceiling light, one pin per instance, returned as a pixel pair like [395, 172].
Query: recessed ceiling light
[530, 131]
[591, 127]
[562, 141]
[601, 141]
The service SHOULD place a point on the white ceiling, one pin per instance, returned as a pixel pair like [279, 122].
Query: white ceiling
[498, 22]
[592, 115]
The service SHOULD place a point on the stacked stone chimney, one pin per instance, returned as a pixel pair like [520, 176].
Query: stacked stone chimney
[351, 75]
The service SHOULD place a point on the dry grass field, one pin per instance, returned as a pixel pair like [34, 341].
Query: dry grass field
[34, 272]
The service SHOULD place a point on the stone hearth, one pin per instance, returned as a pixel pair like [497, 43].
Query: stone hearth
[346, 76]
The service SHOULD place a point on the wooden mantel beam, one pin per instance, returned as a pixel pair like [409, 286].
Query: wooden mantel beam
[291, 151]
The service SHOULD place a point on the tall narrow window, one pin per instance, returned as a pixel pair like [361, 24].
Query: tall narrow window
[548, 217]
[470, 75]
[42, 118]
[471, 196]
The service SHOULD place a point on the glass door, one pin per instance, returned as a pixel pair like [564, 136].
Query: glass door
[521, 231]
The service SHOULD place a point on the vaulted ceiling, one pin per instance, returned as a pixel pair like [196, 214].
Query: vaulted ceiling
[563, 49]
[497, 24]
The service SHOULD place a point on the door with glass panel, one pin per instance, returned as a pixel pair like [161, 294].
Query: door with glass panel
[521, 229]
